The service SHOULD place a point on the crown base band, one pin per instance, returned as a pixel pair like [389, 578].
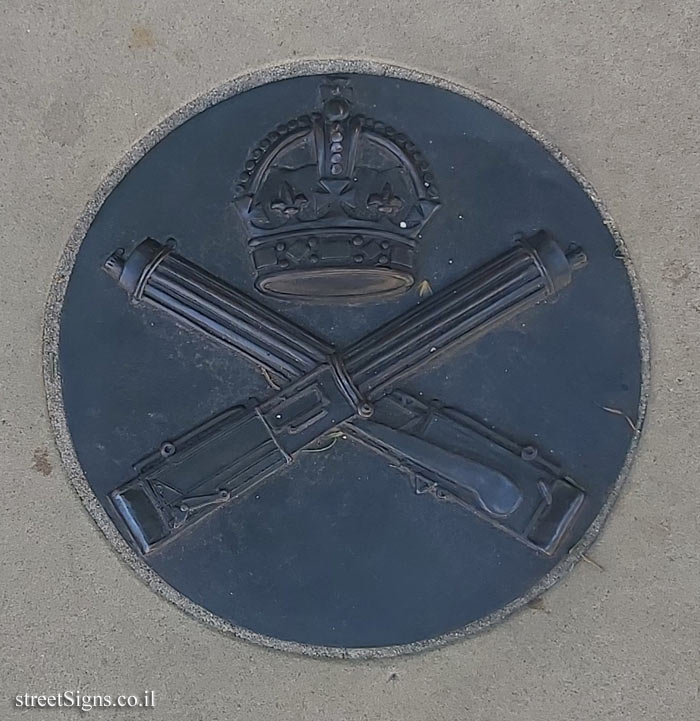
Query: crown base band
[350, 285]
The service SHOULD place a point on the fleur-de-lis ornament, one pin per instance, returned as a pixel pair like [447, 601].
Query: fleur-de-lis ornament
[385, 202]
[289, 203]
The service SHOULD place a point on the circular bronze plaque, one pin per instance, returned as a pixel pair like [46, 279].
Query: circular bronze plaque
[346, 360]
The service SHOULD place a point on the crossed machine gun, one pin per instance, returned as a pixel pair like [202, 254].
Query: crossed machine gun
[444, 452]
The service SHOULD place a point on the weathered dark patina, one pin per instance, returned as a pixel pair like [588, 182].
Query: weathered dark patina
[317, 323]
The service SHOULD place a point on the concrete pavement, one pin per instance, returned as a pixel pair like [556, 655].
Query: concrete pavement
[612, 85]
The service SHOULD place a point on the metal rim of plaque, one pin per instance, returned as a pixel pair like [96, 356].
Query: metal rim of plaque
[334, 210]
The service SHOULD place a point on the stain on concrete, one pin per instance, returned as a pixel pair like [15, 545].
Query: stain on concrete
[187, 57]
[537, 604]
[64, 121]
[142, 38]
[677, 272]
[41, 462]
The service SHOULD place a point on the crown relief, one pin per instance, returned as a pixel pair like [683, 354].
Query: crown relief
[335, 191]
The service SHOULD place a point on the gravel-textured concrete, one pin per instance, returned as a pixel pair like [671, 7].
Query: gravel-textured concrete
[614, 86]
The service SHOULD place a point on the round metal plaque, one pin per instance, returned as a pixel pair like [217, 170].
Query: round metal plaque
[346, 360]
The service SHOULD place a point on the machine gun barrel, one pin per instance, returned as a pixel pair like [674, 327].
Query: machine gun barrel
[154, 274]
[490, 296]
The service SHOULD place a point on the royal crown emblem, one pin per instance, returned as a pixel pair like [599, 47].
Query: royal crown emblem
[334, 203]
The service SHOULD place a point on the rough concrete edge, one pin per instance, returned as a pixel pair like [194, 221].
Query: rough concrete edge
[52, 378]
